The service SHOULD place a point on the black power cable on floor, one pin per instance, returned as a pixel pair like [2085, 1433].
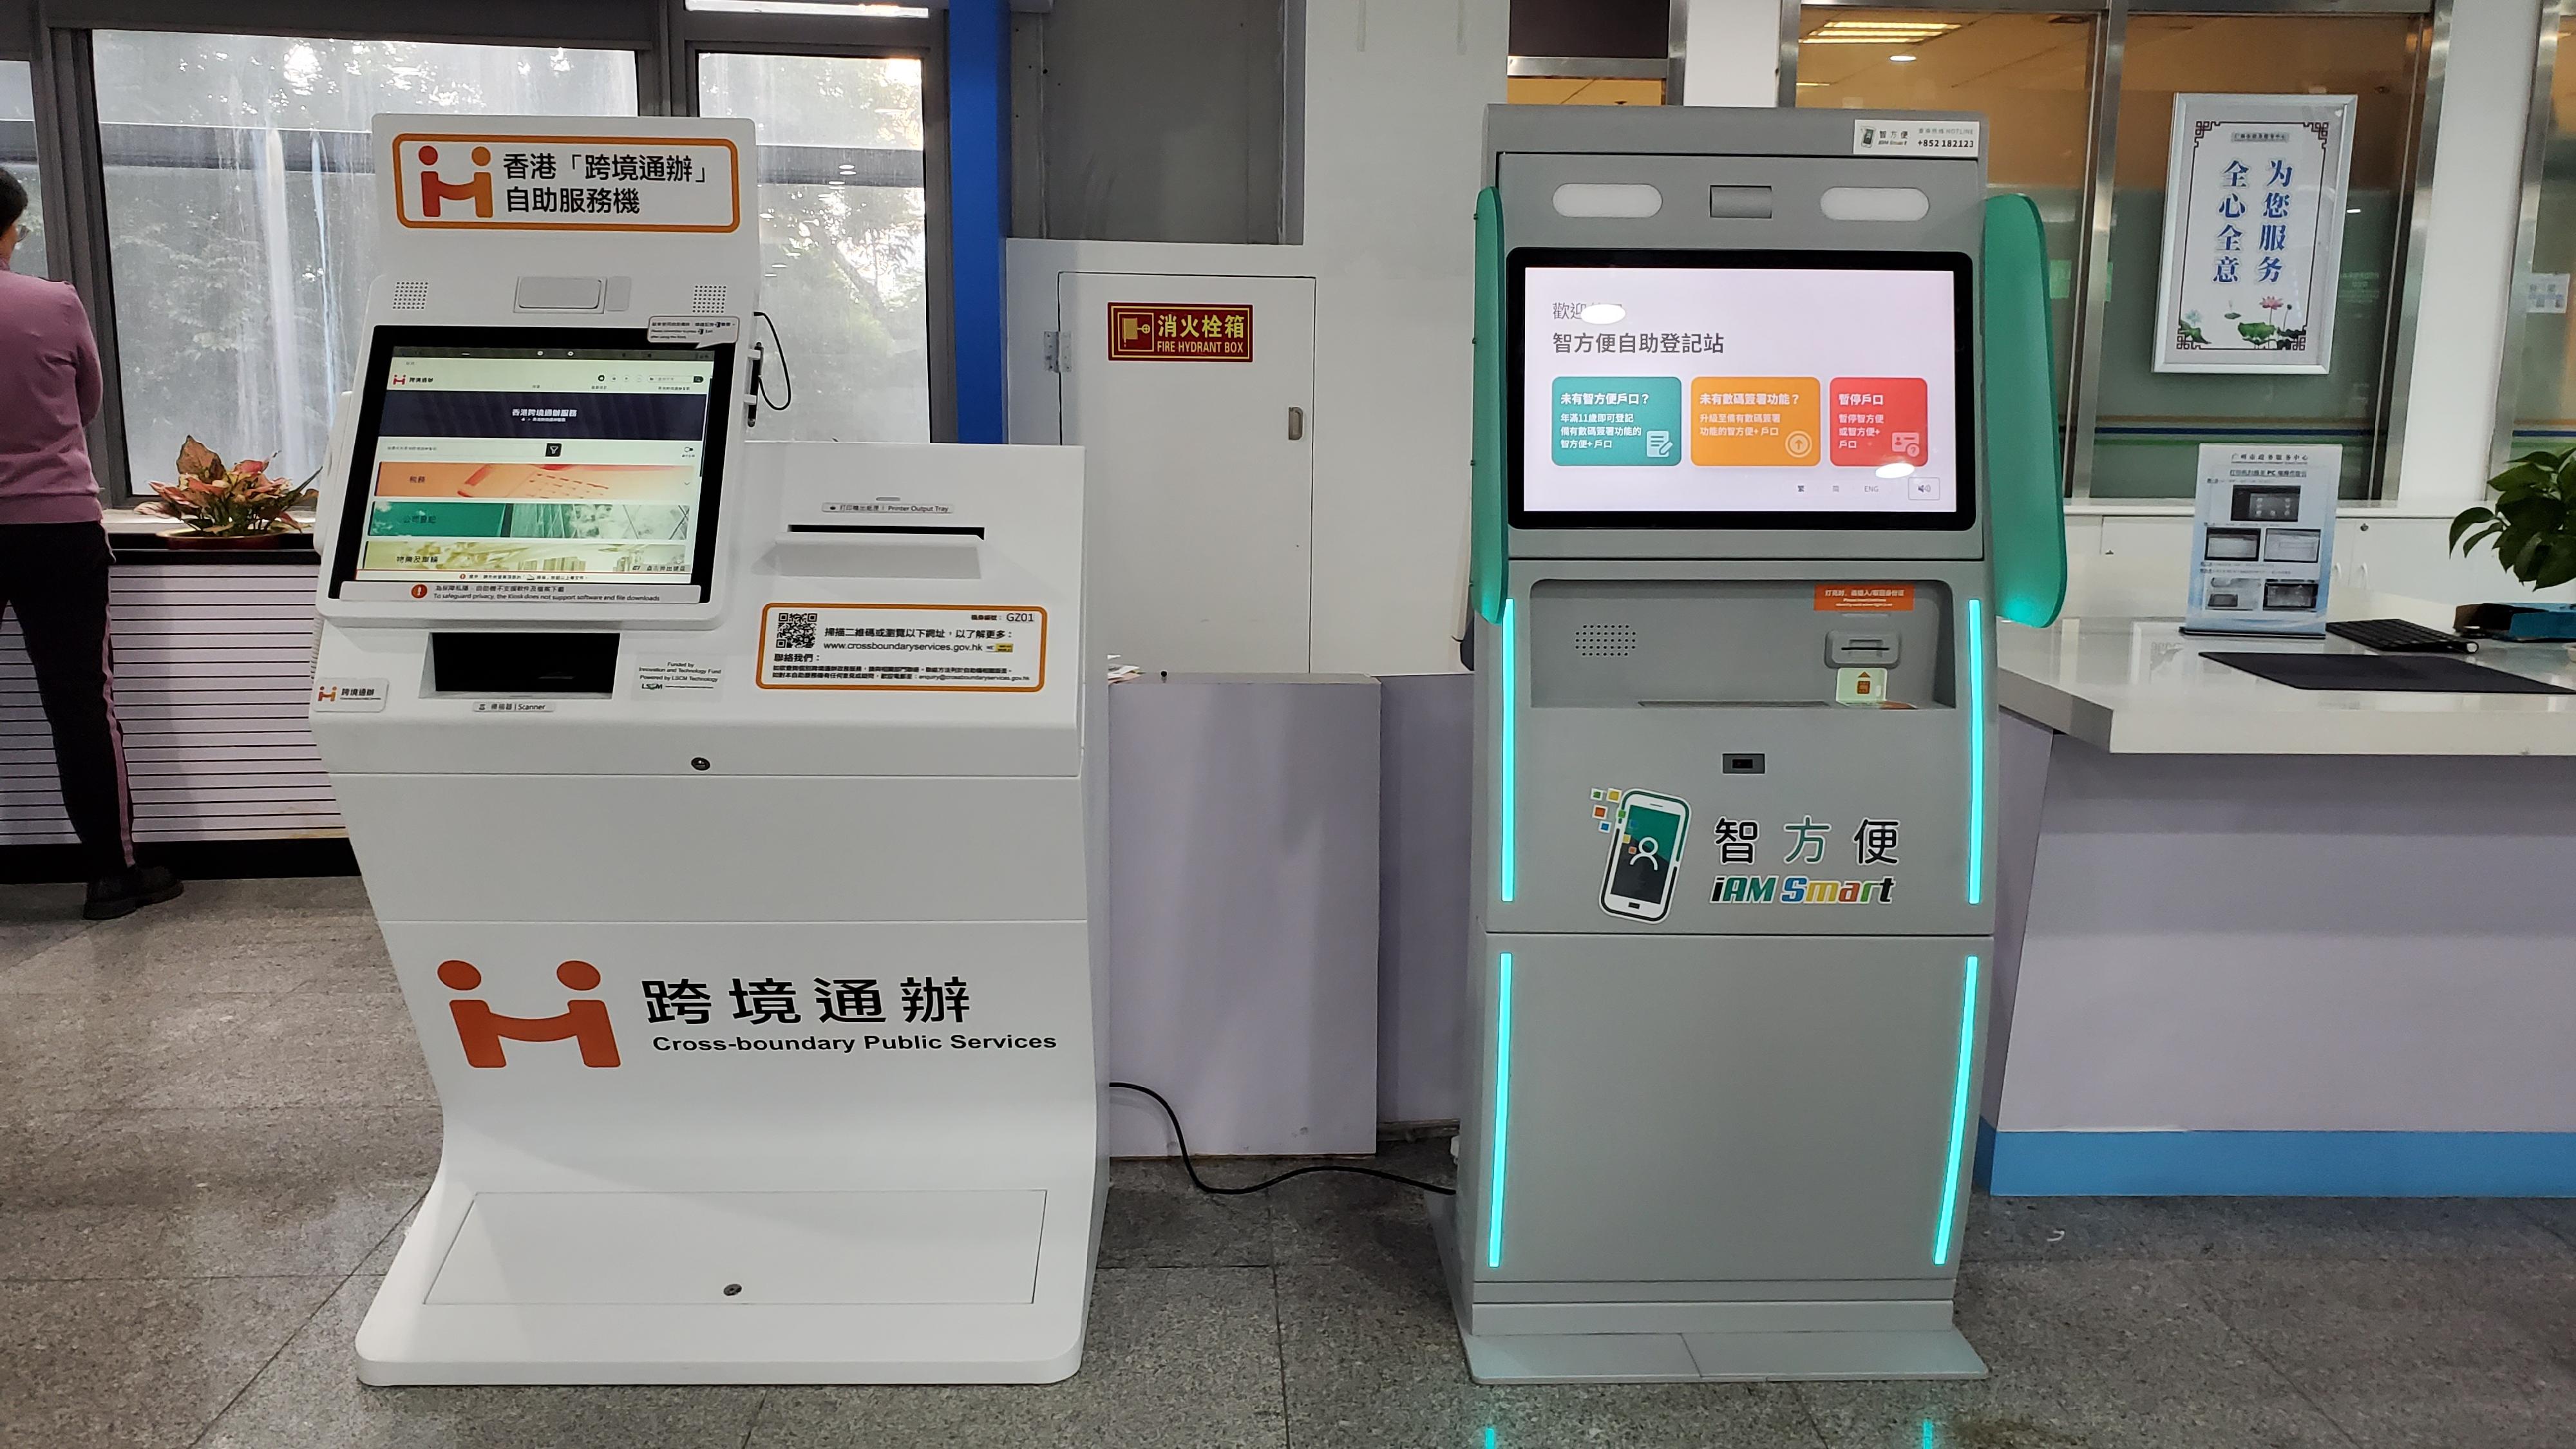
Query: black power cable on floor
[1192, 1168]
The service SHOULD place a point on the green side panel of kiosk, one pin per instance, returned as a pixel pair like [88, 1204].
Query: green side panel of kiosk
[1485, 569]
[2024, 490]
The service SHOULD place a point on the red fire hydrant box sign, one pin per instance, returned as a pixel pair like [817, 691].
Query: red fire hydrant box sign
[1879, 420]
[1179, 332]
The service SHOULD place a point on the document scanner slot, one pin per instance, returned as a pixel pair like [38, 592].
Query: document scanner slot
[951, 530]
[880, 551]
[522, 663]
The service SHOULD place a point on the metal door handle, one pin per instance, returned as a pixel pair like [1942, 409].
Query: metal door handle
[1296, 424]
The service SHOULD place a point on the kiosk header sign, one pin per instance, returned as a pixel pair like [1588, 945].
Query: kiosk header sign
[471, 181]
[2253, 233]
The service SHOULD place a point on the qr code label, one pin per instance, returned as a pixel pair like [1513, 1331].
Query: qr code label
[795, 631]
[905, 646]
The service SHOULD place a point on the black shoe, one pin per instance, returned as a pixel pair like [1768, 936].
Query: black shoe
[128, 891]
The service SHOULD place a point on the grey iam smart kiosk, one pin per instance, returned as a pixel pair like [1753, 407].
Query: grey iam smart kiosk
[1765, 446]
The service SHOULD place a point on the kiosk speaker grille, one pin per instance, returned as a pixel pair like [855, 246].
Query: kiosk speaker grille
[411, 296]
[1605, 641]
[707, 301]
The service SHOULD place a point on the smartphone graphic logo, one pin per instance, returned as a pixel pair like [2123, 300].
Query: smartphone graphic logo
[1646, 858]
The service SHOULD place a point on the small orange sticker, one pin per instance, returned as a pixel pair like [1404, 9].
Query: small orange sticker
[1865, 598]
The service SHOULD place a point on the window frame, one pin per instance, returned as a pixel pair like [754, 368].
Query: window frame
[68, 87]
[2080, 406]
[2540, 127]
[663, 37]
[699, 33]
[17, 45]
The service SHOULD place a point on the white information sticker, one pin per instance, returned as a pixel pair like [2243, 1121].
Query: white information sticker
[514, 706]
[2545, 292]
[1874, 137]
[903, 646]
[691, 331]
[680, 674]
[349, 696]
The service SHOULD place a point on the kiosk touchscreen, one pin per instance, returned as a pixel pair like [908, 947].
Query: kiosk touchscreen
[490, 463]
[1736, 570]
[727, 807]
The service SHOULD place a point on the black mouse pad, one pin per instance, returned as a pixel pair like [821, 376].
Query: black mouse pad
[2413, 673]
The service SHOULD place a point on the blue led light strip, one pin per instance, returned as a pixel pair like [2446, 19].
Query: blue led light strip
[1510, 764]
[1976, 752]
[1958, 1114]
[1502, 1107]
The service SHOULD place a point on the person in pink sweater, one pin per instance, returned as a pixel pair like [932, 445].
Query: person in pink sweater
[54, 562]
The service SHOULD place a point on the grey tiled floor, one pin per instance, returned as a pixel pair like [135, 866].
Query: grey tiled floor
[193, 1218]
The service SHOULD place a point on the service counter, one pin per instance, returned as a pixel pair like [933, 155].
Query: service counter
[2262, 940]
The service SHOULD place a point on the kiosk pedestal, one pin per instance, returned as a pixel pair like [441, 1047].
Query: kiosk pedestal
[727, 813]
[1735, 601]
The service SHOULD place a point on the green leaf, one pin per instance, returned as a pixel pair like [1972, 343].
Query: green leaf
[2527, 474]
[2469, 517]
[2527, 557]
[2527, 510]
[2561, 569]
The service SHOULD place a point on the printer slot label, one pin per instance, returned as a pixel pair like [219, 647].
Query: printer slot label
[903, 646]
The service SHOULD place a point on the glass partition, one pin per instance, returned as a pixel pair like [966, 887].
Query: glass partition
[18, 155]
[2544, 414]
[2150, 424]
[843, 236]
[241, 210]
[2029, 74]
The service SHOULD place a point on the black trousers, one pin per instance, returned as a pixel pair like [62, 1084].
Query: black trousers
[55, 576]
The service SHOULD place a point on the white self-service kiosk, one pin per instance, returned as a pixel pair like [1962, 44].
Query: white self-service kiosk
[726, 806]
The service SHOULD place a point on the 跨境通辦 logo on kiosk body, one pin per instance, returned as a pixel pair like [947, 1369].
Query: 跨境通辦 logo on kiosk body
[1799, 890]
[481, 1030]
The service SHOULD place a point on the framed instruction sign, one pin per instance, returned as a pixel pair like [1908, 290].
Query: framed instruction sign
[2262, 539]
[2254, 210]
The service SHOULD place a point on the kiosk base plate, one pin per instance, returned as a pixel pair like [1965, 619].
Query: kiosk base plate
[1645, 1358]
[925, 1286]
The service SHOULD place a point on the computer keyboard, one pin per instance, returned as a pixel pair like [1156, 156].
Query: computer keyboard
[2400, 636]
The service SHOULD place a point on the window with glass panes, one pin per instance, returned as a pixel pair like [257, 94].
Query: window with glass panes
[241, 215]
[844, 235]
[18, 157]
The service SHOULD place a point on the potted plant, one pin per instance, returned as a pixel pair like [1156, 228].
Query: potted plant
[2532, 522]
[227, 506]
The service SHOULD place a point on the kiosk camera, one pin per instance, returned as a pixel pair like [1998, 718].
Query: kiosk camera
[726, 806]
[1745, 519]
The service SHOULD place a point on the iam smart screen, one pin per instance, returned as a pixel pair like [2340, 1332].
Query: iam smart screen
[1738, 390]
